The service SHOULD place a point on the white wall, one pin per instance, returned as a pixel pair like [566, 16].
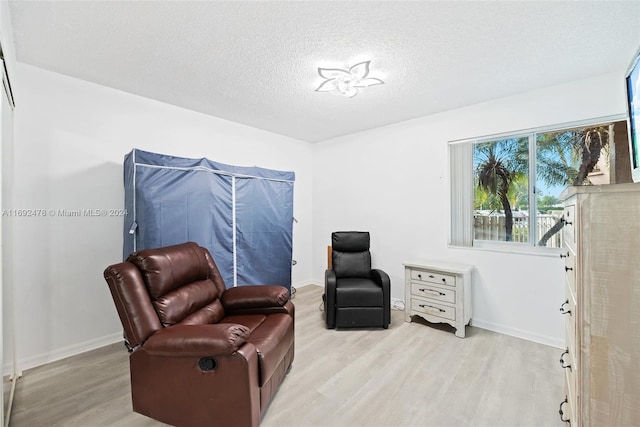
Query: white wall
[6, 263]
[71, 137]
[393, 181]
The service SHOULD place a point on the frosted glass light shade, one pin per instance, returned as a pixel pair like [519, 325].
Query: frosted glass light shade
[346, 82]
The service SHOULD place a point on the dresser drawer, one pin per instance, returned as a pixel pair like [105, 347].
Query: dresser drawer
[568, 363]
[570, 267]
[429, 276]
[568, 309]
[570, 337]
[571, 375]
[433, 309]
[567, 407]
[568, 230]
[433, 292]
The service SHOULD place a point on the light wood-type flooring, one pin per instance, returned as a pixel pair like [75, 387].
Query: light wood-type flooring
[412, 374]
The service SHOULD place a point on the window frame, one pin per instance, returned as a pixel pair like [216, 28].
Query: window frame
[461, 188]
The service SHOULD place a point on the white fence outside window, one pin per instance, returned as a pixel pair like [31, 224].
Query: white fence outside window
[492, 227]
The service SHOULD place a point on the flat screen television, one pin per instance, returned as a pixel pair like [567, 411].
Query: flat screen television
[633, 108]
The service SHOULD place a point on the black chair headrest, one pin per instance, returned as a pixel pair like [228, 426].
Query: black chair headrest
[350, 241]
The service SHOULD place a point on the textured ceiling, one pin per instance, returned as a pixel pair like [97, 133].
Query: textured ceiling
[256, 62]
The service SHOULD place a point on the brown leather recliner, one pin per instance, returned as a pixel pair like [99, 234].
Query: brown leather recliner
[201, 354]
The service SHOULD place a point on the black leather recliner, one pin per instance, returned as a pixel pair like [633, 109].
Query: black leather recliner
[355, 295]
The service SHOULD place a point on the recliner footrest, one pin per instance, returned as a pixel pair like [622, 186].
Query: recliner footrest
[350, 317]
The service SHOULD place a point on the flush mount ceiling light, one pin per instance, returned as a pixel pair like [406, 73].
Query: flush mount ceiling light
[346, 82]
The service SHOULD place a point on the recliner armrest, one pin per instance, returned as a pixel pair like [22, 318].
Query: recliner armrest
[197, 340]
[380, 277]
[330, 282]
[249, 297]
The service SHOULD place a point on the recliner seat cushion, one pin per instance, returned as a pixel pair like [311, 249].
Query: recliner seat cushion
[251, 321]
[272, 336]
[358, 292]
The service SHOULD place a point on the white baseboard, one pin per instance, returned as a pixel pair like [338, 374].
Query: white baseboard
[519, 333]
[503, 329]
[61, 353]
[397, 304]
[307, 283]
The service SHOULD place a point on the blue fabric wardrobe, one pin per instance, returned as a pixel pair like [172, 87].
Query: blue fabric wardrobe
[242, 215]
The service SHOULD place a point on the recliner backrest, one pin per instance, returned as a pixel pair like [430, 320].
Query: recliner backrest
[350, 254]
[183, 282]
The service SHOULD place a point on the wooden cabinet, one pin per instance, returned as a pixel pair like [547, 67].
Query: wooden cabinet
[439, 292]
[601, 362]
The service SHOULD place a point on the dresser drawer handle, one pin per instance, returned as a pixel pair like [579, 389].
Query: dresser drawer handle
[566, 222]
[562, 310]
[562, 362]
[562, 413]
[568, 268]
[431, 291]
[431, 276]
[564, 256]
[430, 306]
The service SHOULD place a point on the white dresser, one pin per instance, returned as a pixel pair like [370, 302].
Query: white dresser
[439, 292]
[601, 362]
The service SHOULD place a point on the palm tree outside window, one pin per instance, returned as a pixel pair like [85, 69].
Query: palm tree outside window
[517, 181]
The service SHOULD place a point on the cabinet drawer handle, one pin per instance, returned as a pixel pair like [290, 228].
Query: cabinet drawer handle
[568, 268]
[431, 276]
[566, 400]
[431, 291]
[430, 306]
[562, 310]
[562, 362]
[564, 256]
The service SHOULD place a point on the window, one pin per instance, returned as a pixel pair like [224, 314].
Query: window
[501, 189]
[506, 188]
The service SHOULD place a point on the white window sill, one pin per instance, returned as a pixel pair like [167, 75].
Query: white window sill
[512, 248]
